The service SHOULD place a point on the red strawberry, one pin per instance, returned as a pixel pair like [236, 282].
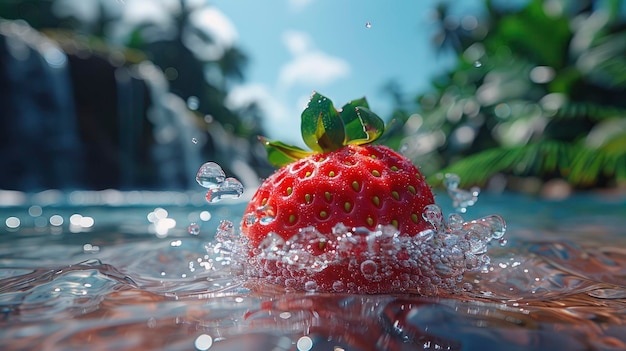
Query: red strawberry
[345, 180]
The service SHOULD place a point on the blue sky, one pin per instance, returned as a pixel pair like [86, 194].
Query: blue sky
[298, 46]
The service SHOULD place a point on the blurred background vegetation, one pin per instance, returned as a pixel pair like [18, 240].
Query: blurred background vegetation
[537, 94]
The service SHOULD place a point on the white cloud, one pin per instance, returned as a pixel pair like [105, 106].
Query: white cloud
[313, 69]
[298, 5]
[297, 42]
[276, 112]
[141, 11]
[214, 23]
[309, 67]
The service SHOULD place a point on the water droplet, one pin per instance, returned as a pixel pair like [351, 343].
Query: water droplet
[369, 267]
[272, 243]
[433, 215]
[266, 220]
[478, 64]
[404, 148]
[193, 229]
[305, 343]
[250, 218]
[210, 175]
[452, 181]
[339, 286]
[203, 342]
[194, 140]
[205, 216]
[231, 188]
[12, 222]
[368, 25]
[193, 103]
[89, 248]
[461, 199]
[455, 221]
[225, 232]
[503, 241]
[311, 285]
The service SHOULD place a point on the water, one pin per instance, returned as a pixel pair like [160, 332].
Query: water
[135, 278]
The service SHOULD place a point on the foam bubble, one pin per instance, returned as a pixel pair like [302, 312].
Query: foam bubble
[426, 263]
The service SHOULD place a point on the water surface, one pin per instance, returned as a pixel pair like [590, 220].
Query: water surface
[86, 272]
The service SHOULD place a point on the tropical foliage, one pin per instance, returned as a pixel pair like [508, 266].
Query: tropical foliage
[538, 91]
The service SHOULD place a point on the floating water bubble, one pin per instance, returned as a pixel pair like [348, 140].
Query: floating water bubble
[193, 229]
[231, 188]
[12, 222]
[193, 103]
[478, 64]
[56, 220]
[89, 248]
[35, 211]
[339, 286]
[310, 285]
[210, 175]
[205, 216]
[305, 343]
[368, 25]
[194, 140]
[369, 267]
[203, 342]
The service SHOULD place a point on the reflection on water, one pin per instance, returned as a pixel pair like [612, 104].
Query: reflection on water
[102, 277]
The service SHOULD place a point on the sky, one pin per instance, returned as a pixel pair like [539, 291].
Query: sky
[343, 49]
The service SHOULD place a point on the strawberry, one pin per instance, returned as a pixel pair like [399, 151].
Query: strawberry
[316, 205]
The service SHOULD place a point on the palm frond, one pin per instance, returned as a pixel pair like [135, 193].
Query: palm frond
[595, 112]
[544, 159]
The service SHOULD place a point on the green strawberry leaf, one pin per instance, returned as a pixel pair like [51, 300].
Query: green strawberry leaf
[372, 127]
[280, 154]
[352, 122]
[321, 126]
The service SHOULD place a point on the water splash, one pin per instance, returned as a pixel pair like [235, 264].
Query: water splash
[212, 176]
[461, 199]
[425, 262]
[428, 262]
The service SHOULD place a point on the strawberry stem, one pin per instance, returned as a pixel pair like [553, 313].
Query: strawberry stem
[324, 129]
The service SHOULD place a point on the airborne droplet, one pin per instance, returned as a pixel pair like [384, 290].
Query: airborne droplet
[231, 188]
[368, 25]
[461, 198]
[210, 175]
[193, 229]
